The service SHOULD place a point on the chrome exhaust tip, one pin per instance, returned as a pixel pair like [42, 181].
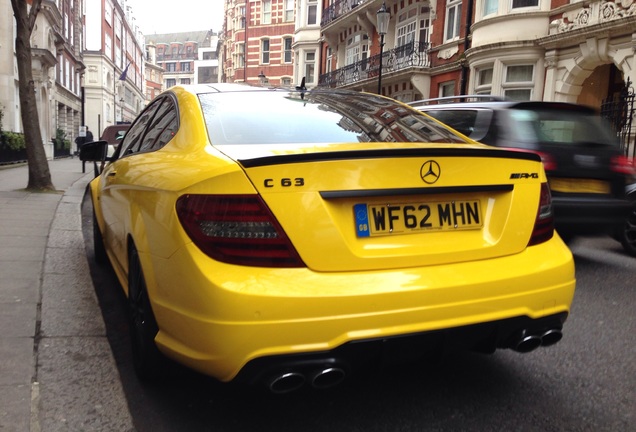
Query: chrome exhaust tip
[286, 382]
[524, 342]
[551, 337]
[327, 377]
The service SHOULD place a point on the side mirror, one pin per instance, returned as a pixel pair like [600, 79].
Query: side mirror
[96, 151]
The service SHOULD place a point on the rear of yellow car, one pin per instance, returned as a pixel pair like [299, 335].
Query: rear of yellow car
[299, 260]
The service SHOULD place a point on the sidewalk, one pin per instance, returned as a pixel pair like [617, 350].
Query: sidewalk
[57, 372]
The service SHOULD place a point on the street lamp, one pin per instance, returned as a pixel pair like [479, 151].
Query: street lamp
[383, 17]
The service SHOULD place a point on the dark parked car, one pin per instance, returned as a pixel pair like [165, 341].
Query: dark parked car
[582, 157]
[113, 135]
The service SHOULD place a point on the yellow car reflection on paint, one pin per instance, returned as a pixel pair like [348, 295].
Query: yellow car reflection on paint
[288, 237]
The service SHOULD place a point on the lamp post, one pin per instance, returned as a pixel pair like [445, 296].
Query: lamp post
[383, 17]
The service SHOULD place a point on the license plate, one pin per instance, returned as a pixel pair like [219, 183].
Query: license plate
[571, 185]
[405, 218]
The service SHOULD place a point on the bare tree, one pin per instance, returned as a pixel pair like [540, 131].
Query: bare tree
[39, 173]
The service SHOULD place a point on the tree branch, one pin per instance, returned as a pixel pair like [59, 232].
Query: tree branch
[33, 14]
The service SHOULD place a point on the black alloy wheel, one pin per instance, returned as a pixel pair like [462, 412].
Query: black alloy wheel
[628, 233]
[147, 359]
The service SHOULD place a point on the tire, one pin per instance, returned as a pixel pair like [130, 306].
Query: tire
[98, 243]
[147, 360]
[627, 235]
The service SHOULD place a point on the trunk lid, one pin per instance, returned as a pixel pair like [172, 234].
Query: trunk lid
[356, 207]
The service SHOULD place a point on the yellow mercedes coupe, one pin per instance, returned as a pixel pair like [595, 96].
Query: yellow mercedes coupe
[291, 236]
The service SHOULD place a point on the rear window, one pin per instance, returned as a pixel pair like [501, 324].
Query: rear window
[281, 117]
[462, 121]
[559, 126]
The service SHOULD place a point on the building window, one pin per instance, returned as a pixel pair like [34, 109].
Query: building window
[171, 67]
[491, 7]
[240, 55]
[267, 12]
[312, 12]
[241, 15]
[406, 27]
[357, 49]
[484, 81]
[287, 43]
[519, 82]
[108, 46]
[447, 89]
[310, 66]
[524, 3]
[329, 63]
[185, 80]
[289, 10]
[108, 12]
[453, 18]
[185, 67]
[265, 51]
[286, 81]
[171, 82]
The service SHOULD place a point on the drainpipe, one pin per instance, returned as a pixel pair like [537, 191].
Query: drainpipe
[463, 80]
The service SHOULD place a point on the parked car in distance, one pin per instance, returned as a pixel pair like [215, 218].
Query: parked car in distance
[586, 169]
[289, 237]
[113, 135]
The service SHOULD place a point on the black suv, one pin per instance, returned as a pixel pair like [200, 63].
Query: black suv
[582, 157]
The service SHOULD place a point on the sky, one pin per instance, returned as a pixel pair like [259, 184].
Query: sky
[176, 16]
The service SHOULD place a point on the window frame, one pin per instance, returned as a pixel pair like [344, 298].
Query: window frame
[288, 13]
[513, 7]
[287, 50]
[507, 87]
[454, 8]
[310, 66]
[312, 12]
[266, 12]
[265, 51]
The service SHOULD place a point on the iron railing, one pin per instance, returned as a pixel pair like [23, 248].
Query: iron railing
[337, 9]
[412, 54]
[619, 111]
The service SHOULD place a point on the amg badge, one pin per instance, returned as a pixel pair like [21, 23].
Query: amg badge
[524, 175]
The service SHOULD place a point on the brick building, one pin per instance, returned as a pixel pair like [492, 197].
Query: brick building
[256, 42]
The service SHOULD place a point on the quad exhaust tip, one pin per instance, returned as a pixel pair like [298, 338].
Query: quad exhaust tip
[328, 377]
[286, 382]
[525, 341]
[289, 381]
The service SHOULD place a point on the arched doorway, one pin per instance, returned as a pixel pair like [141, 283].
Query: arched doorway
[606, 90]
[606, 80]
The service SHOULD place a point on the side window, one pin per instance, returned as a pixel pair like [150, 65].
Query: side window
[163, 127]
[133, 140]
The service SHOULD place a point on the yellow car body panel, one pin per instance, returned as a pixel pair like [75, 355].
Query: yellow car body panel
[235, 318]
[216, 317]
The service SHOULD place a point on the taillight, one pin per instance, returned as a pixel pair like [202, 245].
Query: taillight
[544, 223]
[623, 164]
[236, 229]
[549, 164]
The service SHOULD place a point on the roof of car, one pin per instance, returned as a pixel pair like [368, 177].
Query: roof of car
[226, 87]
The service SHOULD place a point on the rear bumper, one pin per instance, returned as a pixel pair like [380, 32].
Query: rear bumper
[354, 355]
[222, 319]
[589, 215]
